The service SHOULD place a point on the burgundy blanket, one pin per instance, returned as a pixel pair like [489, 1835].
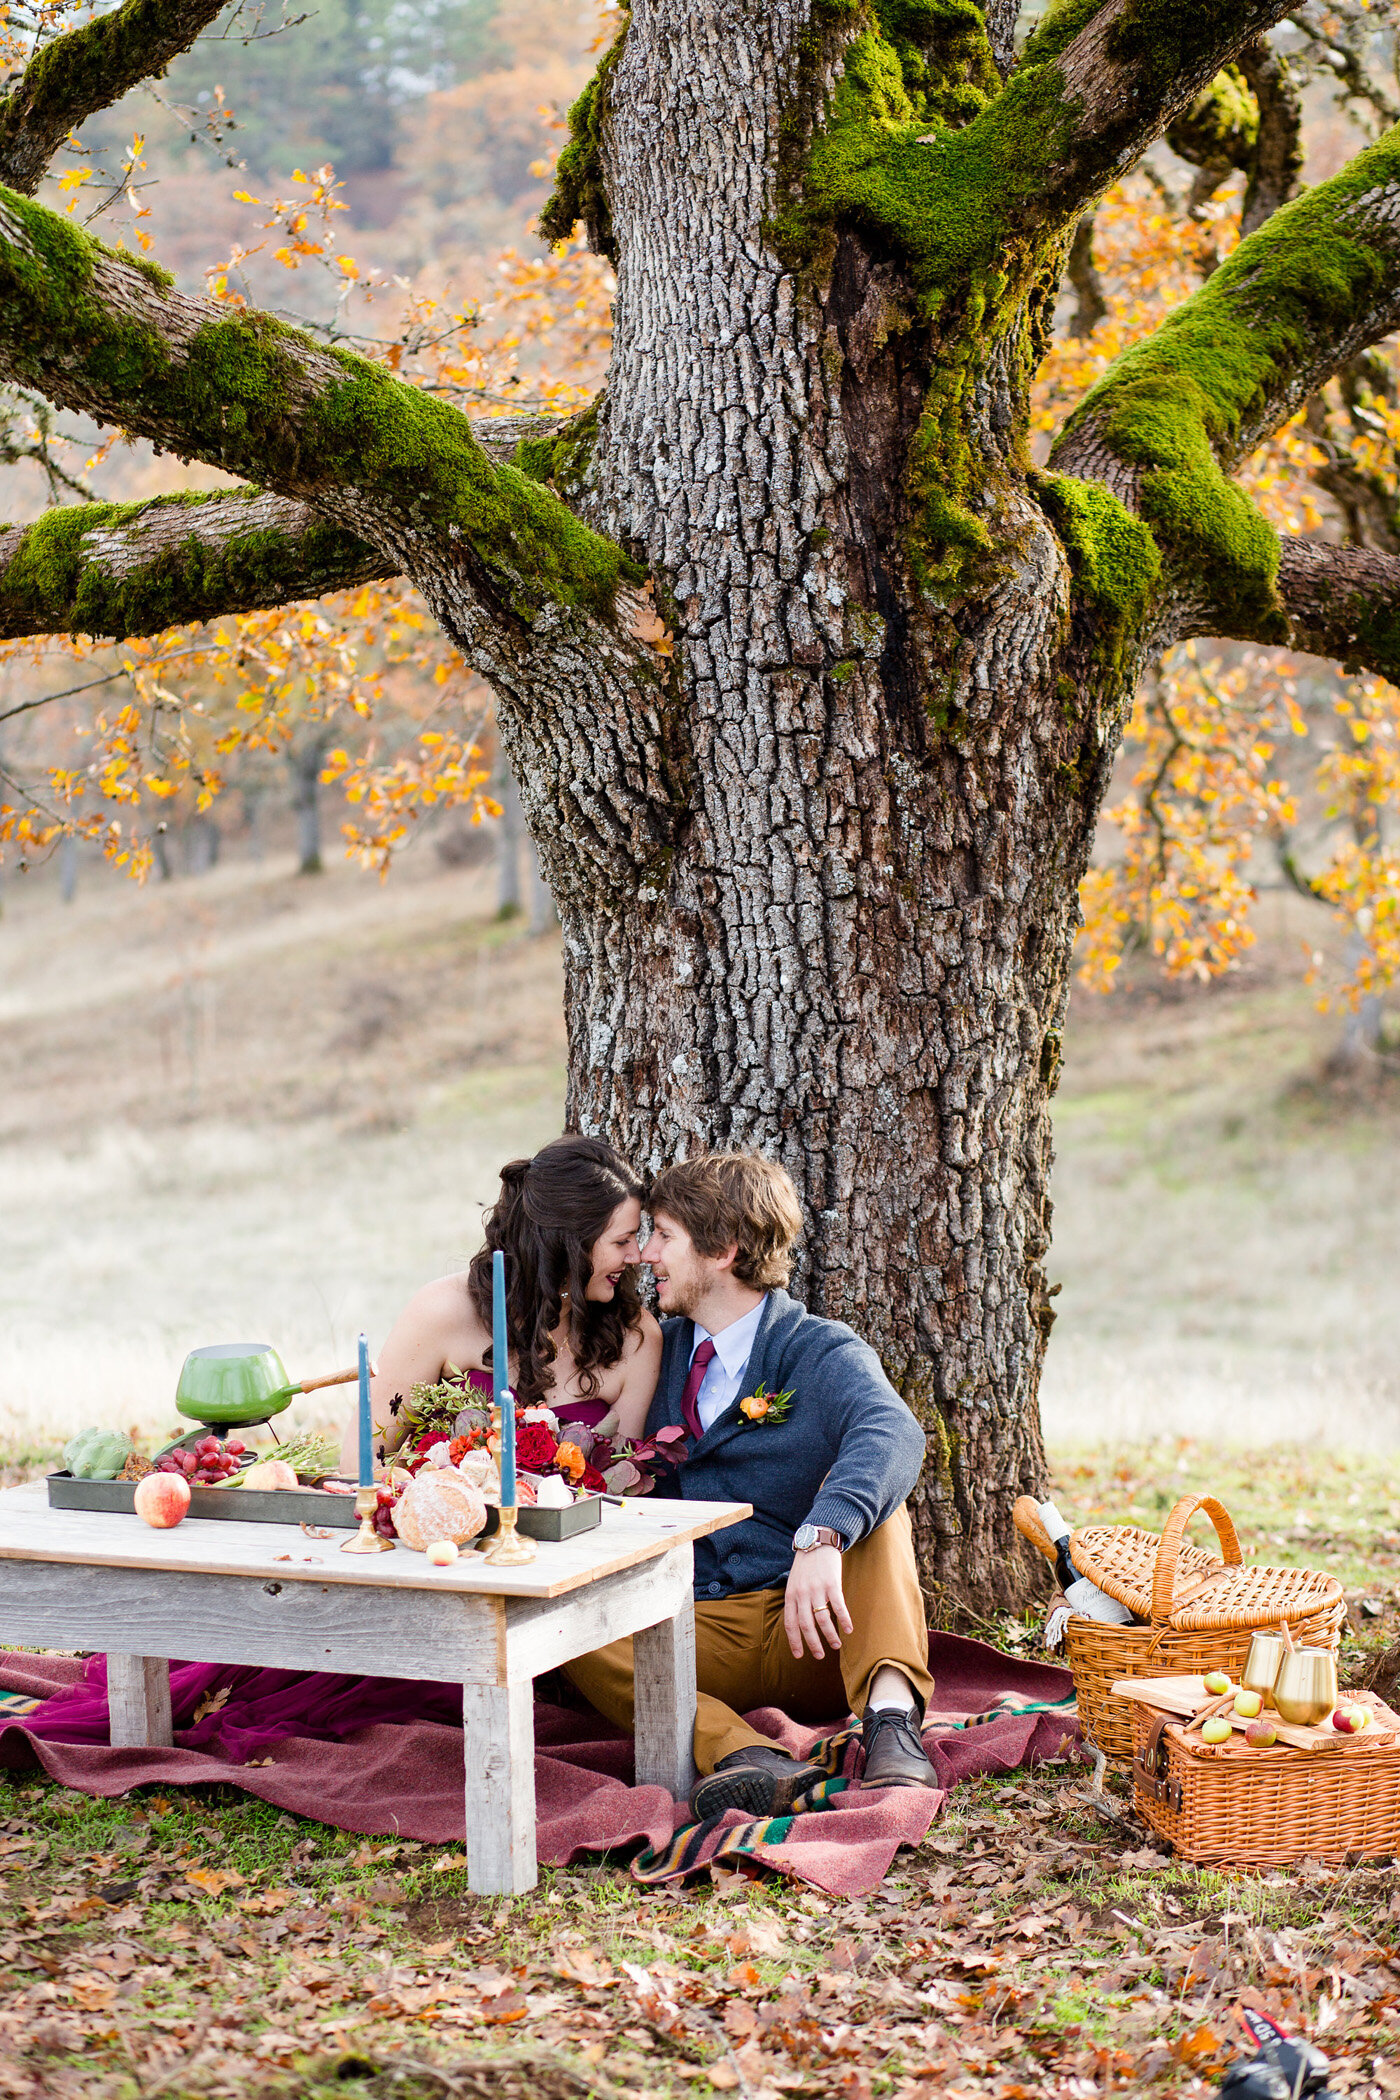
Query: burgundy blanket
[383, 1756]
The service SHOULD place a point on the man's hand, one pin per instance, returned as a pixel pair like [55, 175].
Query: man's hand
[814, 1606]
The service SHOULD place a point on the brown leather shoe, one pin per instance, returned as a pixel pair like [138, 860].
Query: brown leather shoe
[760, 1782]
[894, 1750]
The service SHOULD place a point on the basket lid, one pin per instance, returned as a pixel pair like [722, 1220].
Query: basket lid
[1122, 1560]
[1175, 1584]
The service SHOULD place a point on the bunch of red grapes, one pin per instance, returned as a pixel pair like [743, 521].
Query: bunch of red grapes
[208, 1463]
[384, 1513]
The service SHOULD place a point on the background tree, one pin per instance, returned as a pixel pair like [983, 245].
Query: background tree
[812, 678]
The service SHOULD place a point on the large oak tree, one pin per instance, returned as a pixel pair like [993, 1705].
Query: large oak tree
[812, 681]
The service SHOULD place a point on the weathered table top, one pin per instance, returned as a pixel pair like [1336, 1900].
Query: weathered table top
[639, 1531]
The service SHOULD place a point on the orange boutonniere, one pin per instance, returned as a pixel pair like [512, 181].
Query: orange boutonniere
[762, 1406]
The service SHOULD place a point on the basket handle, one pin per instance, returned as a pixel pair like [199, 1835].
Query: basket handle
[1169, 1551]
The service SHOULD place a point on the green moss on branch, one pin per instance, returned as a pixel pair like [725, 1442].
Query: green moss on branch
[254, 396]
[88, 69]
[579, 191]
[1186, 404]
[82, 570]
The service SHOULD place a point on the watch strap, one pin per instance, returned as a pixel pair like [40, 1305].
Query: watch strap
[825, 1536]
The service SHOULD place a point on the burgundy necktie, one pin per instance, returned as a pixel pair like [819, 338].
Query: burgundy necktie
[690, 1398]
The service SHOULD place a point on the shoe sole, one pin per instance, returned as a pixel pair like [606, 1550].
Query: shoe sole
[755, 1793]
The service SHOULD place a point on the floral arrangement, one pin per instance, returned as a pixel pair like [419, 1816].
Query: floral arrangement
[443, 1424]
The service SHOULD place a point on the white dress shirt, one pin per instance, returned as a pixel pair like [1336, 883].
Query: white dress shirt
[719, 1388]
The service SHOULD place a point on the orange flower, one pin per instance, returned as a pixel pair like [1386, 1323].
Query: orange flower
[571, 1462]
[755, 1407]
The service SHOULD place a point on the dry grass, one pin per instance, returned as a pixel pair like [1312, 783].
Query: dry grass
[248, 1105]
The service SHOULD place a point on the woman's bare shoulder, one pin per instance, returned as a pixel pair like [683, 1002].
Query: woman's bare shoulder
[444, 1309]
[643, 1336]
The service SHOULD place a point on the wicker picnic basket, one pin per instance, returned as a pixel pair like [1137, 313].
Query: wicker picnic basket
[1201, 1613]
[1224, 1804]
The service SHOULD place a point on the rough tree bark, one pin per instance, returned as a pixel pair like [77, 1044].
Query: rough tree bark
[811, 682]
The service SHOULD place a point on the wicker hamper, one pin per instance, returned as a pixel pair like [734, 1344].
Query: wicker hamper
[1201, 1610]
[1225, 1805]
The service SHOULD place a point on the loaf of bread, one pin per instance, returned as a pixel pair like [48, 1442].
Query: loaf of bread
[438, 1505]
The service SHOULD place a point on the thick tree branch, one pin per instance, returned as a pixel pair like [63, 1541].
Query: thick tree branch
[1114, 76]
[88, 69]
[386, 462]
[983, 204]
[1341, 602]
[1174, 415]
[118, 569]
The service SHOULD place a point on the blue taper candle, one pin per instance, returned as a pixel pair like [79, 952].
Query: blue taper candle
[500, 1377]
[366, 1420]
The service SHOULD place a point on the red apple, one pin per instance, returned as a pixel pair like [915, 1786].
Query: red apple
[162, 1499]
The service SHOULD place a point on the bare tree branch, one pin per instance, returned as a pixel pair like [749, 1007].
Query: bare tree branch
[389, 464]
[1001, 17]
[118, 569]
[1278, 150]
[1342, 602]
[1084, 276]
[89, 69]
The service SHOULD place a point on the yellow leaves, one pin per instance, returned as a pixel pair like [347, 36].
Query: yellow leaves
[212, 1881]
[348, 266]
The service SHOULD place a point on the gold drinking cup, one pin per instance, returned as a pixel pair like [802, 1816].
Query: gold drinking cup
[1262, 1665]
[1305, 1690]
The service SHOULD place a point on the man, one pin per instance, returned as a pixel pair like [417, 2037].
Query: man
[812, 1604]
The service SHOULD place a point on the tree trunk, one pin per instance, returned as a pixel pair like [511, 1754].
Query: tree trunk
[509, 834]
[852, 951]
[306, 759]
[543, 917]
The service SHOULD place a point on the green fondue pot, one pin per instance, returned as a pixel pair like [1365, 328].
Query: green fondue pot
[234, 1383]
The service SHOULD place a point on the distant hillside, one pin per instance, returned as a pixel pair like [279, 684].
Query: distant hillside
[247, 1105]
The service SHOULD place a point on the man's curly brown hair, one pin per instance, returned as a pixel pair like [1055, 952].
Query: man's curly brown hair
[726, 1198]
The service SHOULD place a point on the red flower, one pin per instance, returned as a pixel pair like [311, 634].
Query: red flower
[535, 1448]
[434, 1436]
[593, 1482]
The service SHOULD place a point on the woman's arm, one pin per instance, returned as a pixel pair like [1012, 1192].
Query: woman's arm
[438, 1327]
[641, 1367]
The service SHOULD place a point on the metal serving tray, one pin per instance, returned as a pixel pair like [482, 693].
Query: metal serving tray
[302, 1506]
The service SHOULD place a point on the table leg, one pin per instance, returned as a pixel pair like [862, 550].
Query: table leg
[663, 1672]
[499, 1721]
[138, 1700]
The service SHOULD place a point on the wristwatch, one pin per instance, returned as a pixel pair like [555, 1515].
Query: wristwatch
[808, 1537]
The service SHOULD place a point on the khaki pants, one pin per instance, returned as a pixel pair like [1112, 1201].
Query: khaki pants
[742, 1657]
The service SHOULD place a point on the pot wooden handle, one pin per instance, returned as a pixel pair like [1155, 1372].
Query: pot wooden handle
[1025, 1515]
[313, 1385]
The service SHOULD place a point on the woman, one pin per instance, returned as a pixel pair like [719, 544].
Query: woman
[581, 1342]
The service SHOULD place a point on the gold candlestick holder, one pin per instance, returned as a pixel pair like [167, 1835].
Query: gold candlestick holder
[367, 1539]
[508, 1548]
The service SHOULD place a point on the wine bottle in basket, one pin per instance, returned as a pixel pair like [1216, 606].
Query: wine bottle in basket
[1081, 1595]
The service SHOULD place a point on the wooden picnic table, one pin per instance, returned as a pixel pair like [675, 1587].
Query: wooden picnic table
[273, 1596]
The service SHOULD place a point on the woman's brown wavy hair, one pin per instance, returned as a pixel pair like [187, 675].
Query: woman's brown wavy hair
[551, 1213]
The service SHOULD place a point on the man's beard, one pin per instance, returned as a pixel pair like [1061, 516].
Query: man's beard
[681, 1302]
